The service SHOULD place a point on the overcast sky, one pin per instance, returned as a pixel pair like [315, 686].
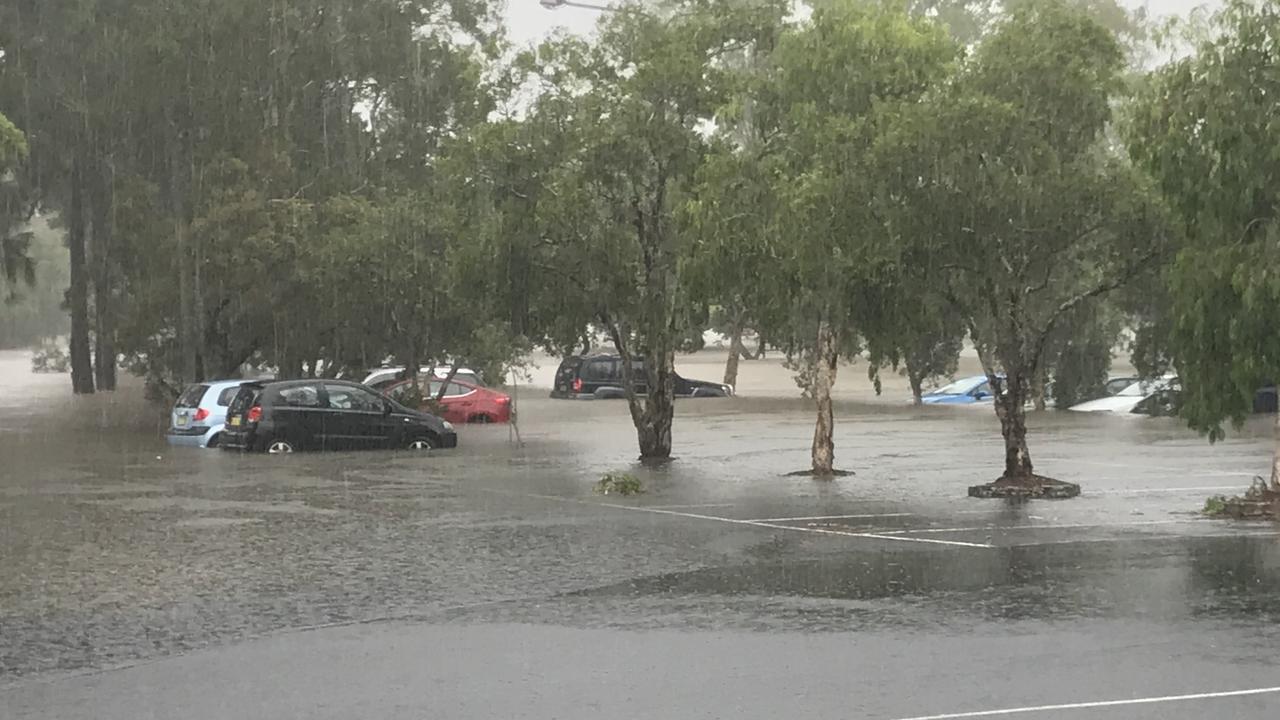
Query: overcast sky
[527, 21]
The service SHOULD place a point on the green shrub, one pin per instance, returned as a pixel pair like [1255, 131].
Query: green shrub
[619, 484]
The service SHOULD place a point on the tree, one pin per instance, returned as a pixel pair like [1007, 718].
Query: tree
[198, 154]
[1198, 128]
[795, 209]
[631, 106]
[15, 264]
[1007, 179]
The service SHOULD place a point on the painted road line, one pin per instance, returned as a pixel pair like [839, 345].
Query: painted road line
[694, 506]
[793, 528]
[735, 521]
[1098, 704]
[829, 517]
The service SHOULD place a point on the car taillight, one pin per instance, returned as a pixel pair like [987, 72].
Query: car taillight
[503, 399]
[201, 414]
[577, 385]
[255, 414]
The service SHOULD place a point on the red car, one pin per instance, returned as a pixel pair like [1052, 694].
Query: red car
[462, 401]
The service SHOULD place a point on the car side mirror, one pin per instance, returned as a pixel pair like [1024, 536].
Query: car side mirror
[386, 408]
[982, 395]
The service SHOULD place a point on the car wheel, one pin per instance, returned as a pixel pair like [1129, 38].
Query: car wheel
[481, 419]
[279, 447]
[213, 441]
[422, 443]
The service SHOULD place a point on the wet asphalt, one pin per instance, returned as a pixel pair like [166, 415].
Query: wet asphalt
[140, 581]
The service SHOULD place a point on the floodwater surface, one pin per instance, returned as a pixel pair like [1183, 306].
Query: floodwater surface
[138, 580]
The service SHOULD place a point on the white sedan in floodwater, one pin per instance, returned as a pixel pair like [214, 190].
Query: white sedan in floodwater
[1144, 397]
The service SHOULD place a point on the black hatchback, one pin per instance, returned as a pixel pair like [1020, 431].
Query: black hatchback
[599, 377]
[289, 415]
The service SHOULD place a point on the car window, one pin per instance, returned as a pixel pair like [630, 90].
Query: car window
[468, 377]
[983, 389]
[244, 398]
[192, 396]
[959, 387]
[224, 397]
[569, 367]
[455, 390]
[342, 397]
[300, 396]
[600, 370]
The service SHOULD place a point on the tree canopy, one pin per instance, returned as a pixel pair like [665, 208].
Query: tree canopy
[1205, 128]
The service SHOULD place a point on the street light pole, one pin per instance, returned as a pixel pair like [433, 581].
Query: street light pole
[554, 4]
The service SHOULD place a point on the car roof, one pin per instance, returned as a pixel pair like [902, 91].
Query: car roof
[293, 383]
[223, 384]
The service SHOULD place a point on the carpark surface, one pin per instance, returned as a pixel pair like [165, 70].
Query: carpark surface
[139, 581]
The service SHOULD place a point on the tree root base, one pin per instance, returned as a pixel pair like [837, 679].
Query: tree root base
[820, 475]
[1261, 502]
[1024, 487]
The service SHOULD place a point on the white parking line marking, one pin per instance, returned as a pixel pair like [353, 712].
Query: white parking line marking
[829, 517]
[694, 506]
[794, 528]
[1099, 704]
[735, 521]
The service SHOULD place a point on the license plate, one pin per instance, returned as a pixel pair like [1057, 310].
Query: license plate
[235, 421]
[182, 421]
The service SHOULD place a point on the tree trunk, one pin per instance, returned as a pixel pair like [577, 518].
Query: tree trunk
[1038, 392]
[654, 416]
[825, 359]
[1275, 458]
[78, 295]
[761, 344]
[735, 355]
[104, 351]
[1013, 426]
[917, 385]
[654, 430]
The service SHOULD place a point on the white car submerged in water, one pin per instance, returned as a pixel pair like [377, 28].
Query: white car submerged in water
[1144, 397]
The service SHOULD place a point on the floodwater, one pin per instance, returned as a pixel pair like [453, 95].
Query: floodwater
[138, 580]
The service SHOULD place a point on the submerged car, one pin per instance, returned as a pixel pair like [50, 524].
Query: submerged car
[289, 415]
[599, 377]
[200, 413]
[965, 391]
[462, 402]
[382, 378]
[1144, 397]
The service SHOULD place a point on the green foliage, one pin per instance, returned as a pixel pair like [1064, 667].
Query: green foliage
[275, 198]
[783, 214]
[32, 311]
[1201, 128]
[619, 484]
[1215, 506]
[13, 145]
[15, 264]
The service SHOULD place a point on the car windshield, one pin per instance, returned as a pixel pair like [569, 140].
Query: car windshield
[639, 359]
[959, 387]
[1142, 388]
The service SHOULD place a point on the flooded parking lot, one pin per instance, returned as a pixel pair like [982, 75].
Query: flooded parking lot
[138, 580]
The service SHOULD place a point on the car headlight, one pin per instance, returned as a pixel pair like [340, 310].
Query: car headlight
[448, 425]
